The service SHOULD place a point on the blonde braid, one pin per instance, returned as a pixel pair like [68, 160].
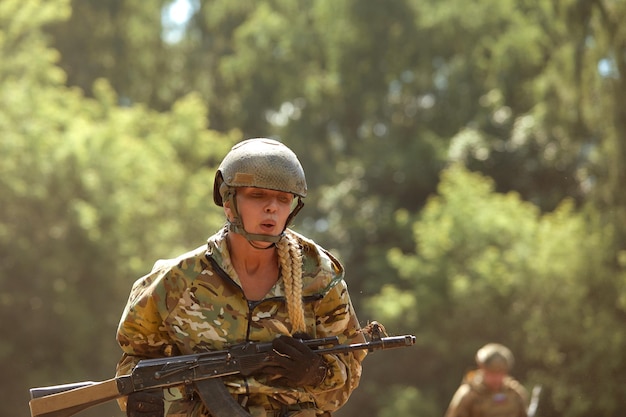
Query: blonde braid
[290, 260]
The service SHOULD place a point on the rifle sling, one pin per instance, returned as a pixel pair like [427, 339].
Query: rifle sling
[218, 400]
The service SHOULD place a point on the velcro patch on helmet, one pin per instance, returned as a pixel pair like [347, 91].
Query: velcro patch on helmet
[243, 178]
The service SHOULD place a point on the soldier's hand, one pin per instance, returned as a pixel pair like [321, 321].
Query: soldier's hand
[295, 363]
[145, 404]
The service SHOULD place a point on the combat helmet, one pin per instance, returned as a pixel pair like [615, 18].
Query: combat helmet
[260, 163]
[496, 357]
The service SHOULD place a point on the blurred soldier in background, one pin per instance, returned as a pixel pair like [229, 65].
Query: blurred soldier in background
[489, 391]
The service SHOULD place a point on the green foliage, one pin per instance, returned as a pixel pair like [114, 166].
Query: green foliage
[406, 401]
[488, 267]
[102, 37]
[91, 195]
[107, 165]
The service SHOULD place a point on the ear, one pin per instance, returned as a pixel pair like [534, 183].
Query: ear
[227, 210]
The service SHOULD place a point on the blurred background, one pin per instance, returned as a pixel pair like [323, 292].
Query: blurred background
[466, 162]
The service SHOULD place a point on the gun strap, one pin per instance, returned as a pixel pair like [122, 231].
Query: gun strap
[218, 400]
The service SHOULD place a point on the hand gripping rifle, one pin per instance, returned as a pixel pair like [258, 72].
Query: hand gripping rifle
[202, 370]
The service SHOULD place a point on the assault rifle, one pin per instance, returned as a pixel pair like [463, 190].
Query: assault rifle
[202, 370]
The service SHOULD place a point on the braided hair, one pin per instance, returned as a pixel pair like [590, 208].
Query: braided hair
[290, 262]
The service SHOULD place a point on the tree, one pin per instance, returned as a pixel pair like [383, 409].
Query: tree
[122, 42]
[377, 99]
[91, 193]
[489, 267]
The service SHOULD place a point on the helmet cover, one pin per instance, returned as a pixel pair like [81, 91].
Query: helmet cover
[260, 163]
[494, 356]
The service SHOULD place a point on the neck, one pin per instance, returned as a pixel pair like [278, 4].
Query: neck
[248, 256]
[257, 269]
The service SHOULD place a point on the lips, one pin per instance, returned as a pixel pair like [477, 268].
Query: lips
[268, 225]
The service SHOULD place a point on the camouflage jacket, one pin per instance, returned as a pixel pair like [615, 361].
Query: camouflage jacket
[473, 399]
[189, 304]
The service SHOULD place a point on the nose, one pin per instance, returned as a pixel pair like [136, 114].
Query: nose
[271, 206]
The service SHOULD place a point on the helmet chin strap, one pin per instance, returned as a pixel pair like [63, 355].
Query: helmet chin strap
[236, 226]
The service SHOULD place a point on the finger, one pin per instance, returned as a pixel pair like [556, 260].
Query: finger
[274, 370]
[289, 346]
[281, 360]
[147, 397]
[301, 336]
[299, 345]
[149, 408]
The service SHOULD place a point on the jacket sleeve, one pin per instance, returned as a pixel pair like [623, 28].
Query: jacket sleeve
[141, 331]
[460, 404]
[336, 317]
[521, 396]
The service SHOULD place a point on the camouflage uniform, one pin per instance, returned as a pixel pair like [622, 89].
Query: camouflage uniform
[474, 399]
[189, 305]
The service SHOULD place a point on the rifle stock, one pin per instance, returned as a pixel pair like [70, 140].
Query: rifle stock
[69, 399]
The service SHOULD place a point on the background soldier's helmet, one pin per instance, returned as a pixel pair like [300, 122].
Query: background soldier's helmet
[496, 357]
[260, 163]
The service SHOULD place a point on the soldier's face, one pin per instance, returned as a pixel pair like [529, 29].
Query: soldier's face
[493, 379]
[263, 211]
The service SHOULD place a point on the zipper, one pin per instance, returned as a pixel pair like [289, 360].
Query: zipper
[252, 305]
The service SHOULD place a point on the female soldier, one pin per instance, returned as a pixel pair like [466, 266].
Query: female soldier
[255, 281]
